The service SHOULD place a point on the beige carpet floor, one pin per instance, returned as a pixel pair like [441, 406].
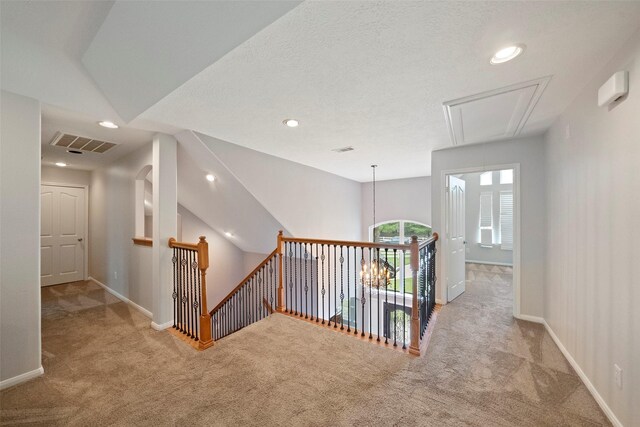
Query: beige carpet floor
[104, 365]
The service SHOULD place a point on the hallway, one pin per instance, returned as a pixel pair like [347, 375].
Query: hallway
[104, 365]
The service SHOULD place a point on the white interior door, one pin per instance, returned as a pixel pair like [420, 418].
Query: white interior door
[455, 238]
[62, 226]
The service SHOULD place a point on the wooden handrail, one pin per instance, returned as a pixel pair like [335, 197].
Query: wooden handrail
[202, 249]
[433, 238]
[244, 281]
[173, 243]
[345, 243]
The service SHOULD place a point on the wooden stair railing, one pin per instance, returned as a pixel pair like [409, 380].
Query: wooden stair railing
[250, 301]
[370, 290]
[190, 315]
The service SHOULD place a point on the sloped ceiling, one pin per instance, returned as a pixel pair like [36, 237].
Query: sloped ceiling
[225, 205]
[148, 48]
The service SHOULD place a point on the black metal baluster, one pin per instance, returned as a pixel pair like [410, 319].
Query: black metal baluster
[378, 273]
[274, 279]
[329, 285]
[348, 293]
[322, 292]
[174, 260]
[404, 318]
[395, 292]
[290, 278]
[185, 287]
[196, 293]
[370, 293]
[363, 278]
[335, 285]
[317, 287]
[295, 290]
[341, 288]
[187, 305]
[179, 290]
[355, 289]
[311, 294]
[305, 306]
[386, 295]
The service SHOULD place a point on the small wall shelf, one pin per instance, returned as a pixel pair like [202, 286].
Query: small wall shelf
[142, 241]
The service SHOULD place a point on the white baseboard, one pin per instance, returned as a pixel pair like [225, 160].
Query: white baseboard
[161, 326]
[603, 405]
[439, 301]
[122, 297]
[9, 382]
[503, 264]
[529, 318]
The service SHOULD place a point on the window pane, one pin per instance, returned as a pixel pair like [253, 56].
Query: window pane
[506, 176]
[387, 233]
[486, 178]
[414, 229]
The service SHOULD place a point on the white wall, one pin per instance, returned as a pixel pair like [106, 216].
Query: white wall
[20, 243]
[475, 252]
[226, 261]
[407, 199]
[112, 225]
[529, 153]
[58, 175]
[225, 205]
[592, 291]
[307, 201]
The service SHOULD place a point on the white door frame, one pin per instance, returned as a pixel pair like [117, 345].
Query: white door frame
[441, 284]
[86, 220]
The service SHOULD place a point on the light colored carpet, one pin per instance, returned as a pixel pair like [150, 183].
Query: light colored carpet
[104, 365]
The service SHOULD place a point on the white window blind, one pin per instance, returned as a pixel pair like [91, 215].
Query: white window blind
[486, 217]
[506, 219]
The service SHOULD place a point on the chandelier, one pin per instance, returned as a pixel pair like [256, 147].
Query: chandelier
[379, 273]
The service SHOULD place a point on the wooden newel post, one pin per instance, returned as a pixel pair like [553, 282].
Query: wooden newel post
[205, 317]
[280, 303]
[414, 347]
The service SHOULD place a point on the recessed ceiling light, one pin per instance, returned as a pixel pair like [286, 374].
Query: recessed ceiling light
[108, 124]
[61, 164]
[292, 123]
[210, 178]
[228, 234]
[507, 54]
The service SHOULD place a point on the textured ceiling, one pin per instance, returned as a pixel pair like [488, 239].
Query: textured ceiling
[374, 75]
[148, 48]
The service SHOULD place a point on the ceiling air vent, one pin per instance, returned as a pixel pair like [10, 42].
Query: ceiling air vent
[74, 142]
[343, 149]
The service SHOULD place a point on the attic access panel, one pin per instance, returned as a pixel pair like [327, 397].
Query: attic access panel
[496, 114]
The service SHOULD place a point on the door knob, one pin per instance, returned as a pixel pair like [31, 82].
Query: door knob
[80, 239]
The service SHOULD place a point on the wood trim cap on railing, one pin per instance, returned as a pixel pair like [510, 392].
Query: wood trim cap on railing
[173, 243]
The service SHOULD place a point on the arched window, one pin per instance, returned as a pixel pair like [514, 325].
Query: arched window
[395, 232]
[398, 231]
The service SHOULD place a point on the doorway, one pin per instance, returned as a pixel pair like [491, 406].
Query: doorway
[481, 237]
[63, 233]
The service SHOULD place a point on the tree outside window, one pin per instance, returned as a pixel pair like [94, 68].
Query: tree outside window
[395, 232]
